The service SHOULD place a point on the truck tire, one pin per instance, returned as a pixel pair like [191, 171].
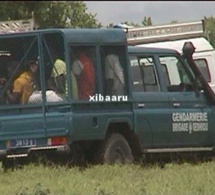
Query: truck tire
[115, 150]
[12, 164]
[8, 164]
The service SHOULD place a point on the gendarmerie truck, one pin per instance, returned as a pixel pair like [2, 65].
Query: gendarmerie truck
[140, 100]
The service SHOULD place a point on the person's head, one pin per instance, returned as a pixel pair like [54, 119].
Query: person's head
[80, 50]
[32, 66]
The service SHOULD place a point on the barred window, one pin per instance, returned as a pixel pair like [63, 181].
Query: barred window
[15, 54]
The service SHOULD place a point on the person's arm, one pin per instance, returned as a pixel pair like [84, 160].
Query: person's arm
[14, 97]
[109, 76]
[51, 85]
[60, 80]
[77, 68]
[109, 86]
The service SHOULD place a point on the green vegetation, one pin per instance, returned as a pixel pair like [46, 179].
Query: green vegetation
[48, 14]
[110, 180]
[210, 29]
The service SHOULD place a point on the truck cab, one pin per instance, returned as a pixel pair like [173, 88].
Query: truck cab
[174, 111]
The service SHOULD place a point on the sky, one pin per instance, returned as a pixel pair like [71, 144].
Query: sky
[161, 12]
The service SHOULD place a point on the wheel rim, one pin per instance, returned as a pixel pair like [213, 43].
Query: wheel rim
[118, 156]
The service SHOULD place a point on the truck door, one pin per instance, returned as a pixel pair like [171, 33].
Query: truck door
[57, 107]
[151, 113]
[190, 112]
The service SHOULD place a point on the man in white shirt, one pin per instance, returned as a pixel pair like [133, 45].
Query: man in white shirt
[114, 75]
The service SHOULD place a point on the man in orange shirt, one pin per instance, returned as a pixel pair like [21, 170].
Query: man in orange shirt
[83, 69]
[24, 85]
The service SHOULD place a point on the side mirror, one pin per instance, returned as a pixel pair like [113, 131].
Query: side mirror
[188, 49]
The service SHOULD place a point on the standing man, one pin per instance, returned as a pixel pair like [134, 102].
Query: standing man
[114, 75]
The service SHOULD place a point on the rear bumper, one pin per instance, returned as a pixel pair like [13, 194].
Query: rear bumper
[24, 152]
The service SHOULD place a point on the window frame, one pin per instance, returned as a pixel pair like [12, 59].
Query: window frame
[138, 57]
[206, 68]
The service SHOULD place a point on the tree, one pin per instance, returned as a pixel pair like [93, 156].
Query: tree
[49, 14]
[174, 22]
[147, 21]
[131, 24]
[210, 29]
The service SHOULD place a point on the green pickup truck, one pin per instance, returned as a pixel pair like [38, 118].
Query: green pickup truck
[97, 98]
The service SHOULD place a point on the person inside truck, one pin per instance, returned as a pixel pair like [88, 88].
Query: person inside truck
[114, 75]
[83, 69]
[51, 96]
[57, 81]
[24, 85]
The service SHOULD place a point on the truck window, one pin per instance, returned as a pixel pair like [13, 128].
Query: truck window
[55, 69]
[144, 74]
[178, 76]
[20, 69]
[202, 64]
[113, 68]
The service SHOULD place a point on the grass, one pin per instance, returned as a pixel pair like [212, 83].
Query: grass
[132, 179]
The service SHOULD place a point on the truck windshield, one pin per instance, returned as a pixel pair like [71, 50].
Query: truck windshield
[178, 74]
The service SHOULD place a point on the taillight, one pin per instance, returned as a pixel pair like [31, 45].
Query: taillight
[54, 141]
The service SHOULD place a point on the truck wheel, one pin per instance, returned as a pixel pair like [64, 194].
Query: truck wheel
[11, 163]
[116, 150]
[8, 164]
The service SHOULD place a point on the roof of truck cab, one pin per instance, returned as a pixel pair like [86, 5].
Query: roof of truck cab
[150, 50]
[81, 35]
[200, 43]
